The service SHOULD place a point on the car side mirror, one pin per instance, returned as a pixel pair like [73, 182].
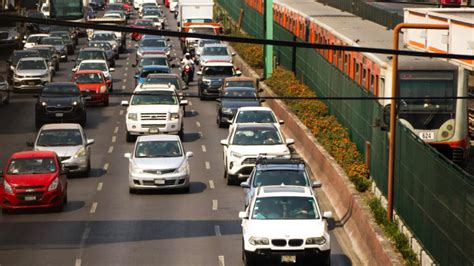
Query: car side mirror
[64, 170]
[243, 215]
[224, 142]
[238, 73]
[244, 185]
[290, 141]
[233, 54]
[189, 154]
[112, 69]
[90, 141]
[183, 102]
[218, 100]
[327, 215]
[128, 155]
[199, 73]
[74, 69]
[30, 144]
[281, 122]
[124, 103]
[316, 184]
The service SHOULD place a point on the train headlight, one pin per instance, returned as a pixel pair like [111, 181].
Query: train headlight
[446, 131]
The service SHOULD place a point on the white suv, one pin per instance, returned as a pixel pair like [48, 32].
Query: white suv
[154, 110]
[283, 224]
[246, 142]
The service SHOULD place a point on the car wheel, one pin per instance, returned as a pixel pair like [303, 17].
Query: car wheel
[117, 56]
[230, 180]
[7, 99]
[106, 102]
[56, 66]
[201, 97]
[6, 211]
[132, 191]
[219, 121]
[88, 169]
[248, 261]
[129, 137]
[83, 121]
[111, 86]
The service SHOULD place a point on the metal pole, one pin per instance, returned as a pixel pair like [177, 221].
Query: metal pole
[393, 108]
[268, 17]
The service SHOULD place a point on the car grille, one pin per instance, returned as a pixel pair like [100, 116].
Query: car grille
[59, 108]
[28, 187]
[30, 82]
[152, 183]
[153, 125]
[295, 242]
[250, 161]
[279, 242]
[162, 172]
[153, 116]
[22, 195]
[3, 35]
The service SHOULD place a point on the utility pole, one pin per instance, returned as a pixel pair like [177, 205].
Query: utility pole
[268, 33]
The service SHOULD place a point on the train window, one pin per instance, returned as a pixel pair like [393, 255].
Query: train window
[356, 71]
[470, 84]
[364, 75]
[381, 86]
[334, 56]
[371, 85]
[346, 63]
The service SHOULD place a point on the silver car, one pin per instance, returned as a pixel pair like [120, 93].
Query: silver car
[107, 36]
[158, 162]
[31, 73]
[69, 141]
[216, 53]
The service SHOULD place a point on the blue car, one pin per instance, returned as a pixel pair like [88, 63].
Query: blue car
[153, 69]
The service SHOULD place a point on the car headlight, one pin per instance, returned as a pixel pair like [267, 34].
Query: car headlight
[103, 89]
[114, 46]
[75, 103]
[80, 153]
[12, 67]
[18, 76]
[183, 167]
[174, 116]
[132, 116]
[227, 110]
[167, 52]
[258, 241]
[54, 185]
[44, 104]
[207, 81]
[137, 170]
[235, 154]
[44, 76]
[7, 187]
[316, 240]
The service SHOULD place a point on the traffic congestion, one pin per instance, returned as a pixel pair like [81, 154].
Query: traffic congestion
[126, 125]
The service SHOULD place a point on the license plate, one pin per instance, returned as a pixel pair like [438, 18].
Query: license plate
[153, 130]
[288, 259]
[159, 181]
[426, 135]
[59, 114]
[30, 198]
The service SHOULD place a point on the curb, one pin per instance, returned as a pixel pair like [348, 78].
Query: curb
[368, 240]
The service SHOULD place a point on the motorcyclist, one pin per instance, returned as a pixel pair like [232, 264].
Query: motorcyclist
[187, 60]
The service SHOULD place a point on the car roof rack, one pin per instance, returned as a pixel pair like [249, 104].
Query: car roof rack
[263, 159]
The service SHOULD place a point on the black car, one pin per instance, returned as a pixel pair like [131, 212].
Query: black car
[73, 32]
[15, 57]
[232, 99]
[60, 102]
[65, 35]
[212, 76]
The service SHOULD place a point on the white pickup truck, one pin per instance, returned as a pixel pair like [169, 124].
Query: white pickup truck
[154, 110]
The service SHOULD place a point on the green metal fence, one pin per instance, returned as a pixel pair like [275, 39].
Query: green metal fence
[433, 197]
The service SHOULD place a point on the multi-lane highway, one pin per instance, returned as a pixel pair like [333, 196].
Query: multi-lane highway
[105, 225]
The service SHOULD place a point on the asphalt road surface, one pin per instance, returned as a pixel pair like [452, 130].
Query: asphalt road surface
[105, 225]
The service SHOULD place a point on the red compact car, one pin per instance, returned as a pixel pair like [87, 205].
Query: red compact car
[92, 85]
[33, 179]
[167, 3]
[141, 24]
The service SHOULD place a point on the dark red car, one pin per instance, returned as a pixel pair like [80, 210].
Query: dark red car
[141, 24]
[33, 179]
[93, 85]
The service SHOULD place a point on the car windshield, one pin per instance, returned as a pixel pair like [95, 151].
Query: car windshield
[154, 97]
[240, 95]
[219, 71]
[157, 149]
[160, 61]
[255, 117]
[278, 177]
[239, 83]
[215, 51]
[163, 80]
[60, 90]
[34, 39]
[145, 23]
[257, 136]
[45, 53]
[115, 7]
[103, 37]
[152, 12]
[147, 72]
[52, 41]
[204, 42]
[93, 66]
[63, 35]
[24, 166]
[85, 55]
[22, 54]
[59, 137]
[88, 78]
[152, 43]
[285, 208]
[104, 45]
[31, 64]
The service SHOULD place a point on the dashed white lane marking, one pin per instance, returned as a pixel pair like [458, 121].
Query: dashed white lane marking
[125, 74]
[121, 112]
[211, 184]
[126, 68]
[208, 165]
[86, 234]
[124, 87]
[78, 262]
[192, 111]
[217, 230]
[203, 148]
[115, 130]
[114, 139]
[93, 207]
[111, 149]
[106, 166]
[99, 186]
[190, 103]
[221, 261]
[214, 205]
[198, 124]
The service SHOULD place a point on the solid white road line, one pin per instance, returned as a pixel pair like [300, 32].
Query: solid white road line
[198, 124]
[208, 165]
[114, 139]
[221, 261]
[111, 149]
[203, 148]
[211, 184]
[99, 186]
[217, 230]
[78, 262]
[214, 205]
[86, 234]
[93, 207]
[121, 112]
[106, 166]
[115, 130]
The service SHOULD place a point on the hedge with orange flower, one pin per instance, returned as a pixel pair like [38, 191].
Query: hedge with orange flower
[325, 128]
